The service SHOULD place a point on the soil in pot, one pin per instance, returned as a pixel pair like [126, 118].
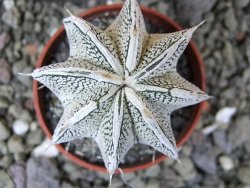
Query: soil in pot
[86, 148]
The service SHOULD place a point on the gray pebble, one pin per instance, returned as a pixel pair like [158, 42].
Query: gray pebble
[247, 52]
[220, 139]
[153, 183]
[116, 183]
[18, 67]
[34, 137]
[6, 161]
[192, 11]
[4, 131]
[5, 180]
[204, 159]
[14, 110]
[41, 173]
[12, 17]
[137, 182]
[186, 150]
[15, 144]
[4, 40]
[3, 148]
[4, 103]
[37, 27]
[29, 16]
[241, 3]
[228, 53]
[169, 178]
[18, 174]
[186, 169]
[66, 185]
[129, 176]
[25, 115]
[6, 91]
[25, 80]
[244, 174]
[239, 133]
[153, 171]
[247, 147]
[4, 71]
[212, 181]
[69, 167]
[230, 20]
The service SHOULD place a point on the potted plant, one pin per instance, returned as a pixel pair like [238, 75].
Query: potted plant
[119, 85]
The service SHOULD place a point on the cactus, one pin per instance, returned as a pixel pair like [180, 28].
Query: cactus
[120, 85]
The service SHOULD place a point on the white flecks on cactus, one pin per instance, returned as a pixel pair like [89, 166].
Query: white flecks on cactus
[119, 86]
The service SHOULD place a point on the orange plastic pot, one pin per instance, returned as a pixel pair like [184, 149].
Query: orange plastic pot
[194, 61]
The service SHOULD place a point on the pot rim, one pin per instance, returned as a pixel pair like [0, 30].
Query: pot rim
[191, 49]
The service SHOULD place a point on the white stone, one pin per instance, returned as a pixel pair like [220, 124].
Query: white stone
[222, 119]
[33, 126]
[20, 127]
[226, 163]
[46, 149]
[224, 115]
[8, 4]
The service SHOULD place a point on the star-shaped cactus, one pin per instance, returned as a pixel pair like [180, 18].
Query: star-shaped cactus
[119, 86]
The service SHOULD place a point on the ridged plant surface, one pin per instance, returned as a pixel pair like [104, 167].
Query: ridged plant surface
[119, 86]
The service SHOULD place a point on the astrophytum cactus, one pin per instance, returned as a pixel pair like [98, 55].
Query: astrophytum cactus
[119, 86]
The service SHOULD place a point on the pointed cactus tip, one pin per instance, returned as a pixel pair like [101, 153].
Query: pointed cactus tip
[200, 23]
[41, 87]
[192, 29]
[179, 161]
[69, 12]
[25, 74]
[110, 179]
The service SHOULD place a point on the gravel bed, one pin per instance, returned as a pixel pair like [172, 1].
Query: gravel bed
[219, 159]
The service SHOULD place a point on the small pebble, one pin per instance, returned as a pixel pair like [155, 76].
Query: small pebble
[3, 148]
[241, 3]
[6, 161]
[18, 174]
[12, 17]
[8, 4]
[226, 163]
[20, 127]
[46, 149]
[153, 183]
[42, 173]
[5, 180]
[230, 20]
[4, 40]
[35, 137]
[186, 169]
[244, 174]
[152, 171]
[225, 114]
[4, 131]
[5, 74]
[15, 144]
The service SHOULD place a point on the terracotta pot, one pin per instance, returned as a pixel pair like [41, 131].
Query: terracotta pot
[194, 61]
